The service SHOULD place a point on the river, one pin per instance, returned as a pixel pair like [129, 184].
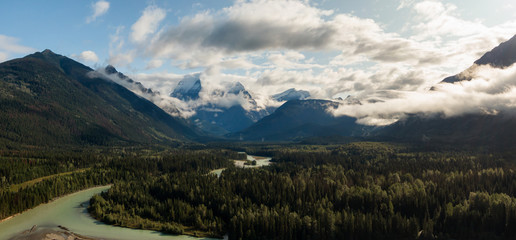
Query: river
[260, 162]
[70, 211]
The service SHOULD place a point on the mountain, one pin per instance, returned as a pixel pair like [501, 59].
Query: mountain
[127, 82]
[502, 56]
[472, 129]
[187, 89]
[222, 120]
[297, 119]
[48, 100]
[222, 111]
[291, 94]
[138, 88]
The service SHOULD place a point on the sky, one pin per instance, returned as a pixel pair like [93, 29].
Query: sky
[389, 50]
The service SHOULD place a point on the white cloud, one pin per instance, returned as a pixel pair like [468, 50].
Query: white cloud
[154, 63]
[118, 55]
[147, 24]
[438, 19]
[122, 58]
[405, 4]
[9, 46]
[3, 56]
[291, 60]
[88, 56]
[250, 27]
[492, 91]
[99, 8]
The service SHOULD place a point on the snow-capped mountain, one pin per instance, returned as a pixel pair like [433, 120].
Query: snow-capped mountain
[291, 94]
[188, 88]
[220, 111]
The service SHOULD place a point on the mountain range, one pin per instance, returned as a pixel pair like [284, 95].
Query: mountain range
[47, 100]
[235, 110]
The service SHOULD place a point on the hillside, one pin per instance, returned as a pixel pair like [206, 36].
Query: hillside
[502, 56]
[47, 99]
[470, 129]
[298, 119]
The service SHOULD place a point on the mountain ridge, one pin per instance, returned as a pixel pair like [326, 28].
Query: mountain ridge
[502, 56]
[298, 119]
[49, 99]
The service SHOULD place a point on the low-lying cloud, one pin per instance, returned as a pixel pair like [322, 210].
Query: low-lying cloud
[491, 91]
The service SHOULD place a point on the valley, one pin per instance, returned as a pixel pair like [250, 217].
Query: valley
[258, 119]
[366, 190]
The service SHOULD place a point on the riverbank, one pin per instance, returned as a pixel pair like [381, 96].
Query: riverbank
[49, 234]
[38, 222]
[67, 217]
[51, 200]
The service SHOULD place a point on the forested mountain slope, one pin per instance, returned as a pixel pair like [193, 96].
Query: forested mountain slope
[48, 99]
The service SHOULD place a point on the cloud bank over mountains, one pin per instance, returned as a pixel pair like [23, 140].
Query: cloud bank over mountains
[269, 46]
[491, 91]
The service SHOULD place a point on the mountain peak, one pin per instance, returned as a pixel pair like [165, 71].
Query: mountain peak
[237, 88]
[47, 52]
[502, 56]
[291, 94]
[188, 88]
[350, 100]
[110, 69]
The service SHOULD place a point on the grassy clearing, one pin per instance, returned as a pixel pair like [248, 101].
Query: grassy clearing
[16, 187]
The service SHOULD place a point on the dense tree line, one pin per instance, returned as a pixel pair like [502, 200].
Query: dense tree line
[90, 168]
[353, 191]
[12, 202]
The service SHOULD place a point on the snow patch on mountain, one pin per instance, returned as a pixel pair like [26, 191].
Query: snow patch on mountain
[291, 94]
[188, 89]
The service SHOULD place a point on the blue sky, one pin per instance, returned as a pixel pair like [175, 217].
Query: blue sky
[370, 48]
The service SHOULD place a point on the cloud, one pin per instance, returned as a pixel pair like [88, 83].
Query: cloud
[268, 46]
[246, 27]
[9, 45]
[87, 56]
[3, 56]
[147, 24]
[405, 4]
[250, 27]
[155, 63]
[118, 55]
[99, 8]
[437, 19]
[122, 58]
[491, 92]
